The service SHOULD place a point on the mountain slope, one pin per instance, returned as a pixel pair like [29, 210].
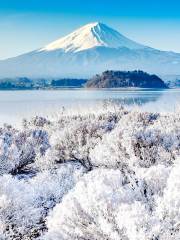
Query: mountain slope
[90, 36]
[91, 49]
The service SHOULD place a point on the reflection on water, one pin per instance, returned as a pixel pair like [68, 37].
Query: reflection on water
[137, 99]
[15, 105]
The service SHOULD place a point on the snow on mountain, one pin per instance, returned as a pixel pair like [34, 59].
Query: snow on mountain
[90, 36]
[90, 49]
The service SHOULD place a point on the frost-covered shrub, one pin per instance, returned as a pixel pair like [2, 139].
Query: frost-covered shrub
[68, 138]
[9, 157]
[168, 206]
[115, 149]
[74, 140]
[138, 140]
[36, 121]
[24, 204]
[155, 178]
[108, 174]
[20, 147]
[111, 204]
[158, 143]
[97, 208]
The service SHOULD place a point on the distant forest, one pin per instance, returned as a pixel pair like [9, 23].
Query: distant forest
[118, 79]
[26, 83]
[108, 79]
[68, 82]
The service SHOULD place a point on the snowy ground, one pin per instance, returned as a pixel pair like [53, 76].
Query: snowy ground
[102, 173]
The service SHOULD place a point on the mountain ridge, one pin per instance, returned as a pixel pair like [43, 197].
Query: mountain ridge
[91, 49]
[92, 35]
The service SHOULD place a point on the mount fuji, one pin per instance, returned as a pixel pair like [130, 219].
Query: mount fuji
[90, 49]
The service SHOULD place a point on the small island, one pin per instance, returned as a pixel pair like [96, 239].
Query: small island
[124, 79]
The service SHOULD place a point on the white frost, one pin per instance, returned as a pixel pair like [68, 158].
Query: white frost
[110, 174]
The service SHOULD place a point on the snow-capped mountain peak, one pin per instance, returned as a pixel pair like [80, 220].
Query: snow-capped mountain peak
[87, 51]
[90, 36]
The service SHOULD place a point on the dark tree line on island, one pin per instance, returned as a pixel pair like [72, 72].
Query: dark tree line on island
[117, 79]
[108, 79]
[68, 82]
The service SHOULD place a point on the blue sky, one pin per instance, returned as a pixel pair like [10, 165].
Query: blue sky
[28, 25]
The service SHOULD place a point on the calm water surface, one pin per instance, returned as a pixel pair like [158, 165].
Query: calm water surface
[15, 105]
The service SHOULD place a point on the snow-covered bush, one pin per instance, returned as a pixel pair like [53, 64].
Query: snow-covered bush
[76, 135]
[24, 204]
[107, 173]
[168, 206]
[19, 148]
[98, 208]
[139, 139]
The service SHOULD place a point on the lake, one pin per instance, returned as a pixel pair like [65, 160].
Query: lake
[15, 105]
